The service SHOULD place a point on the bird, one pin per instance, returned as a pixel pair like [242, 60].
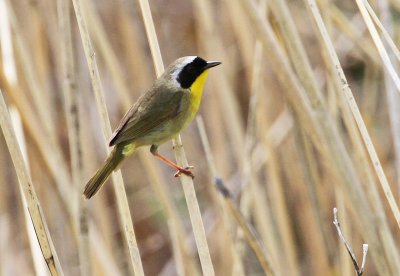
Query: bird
[159, 115]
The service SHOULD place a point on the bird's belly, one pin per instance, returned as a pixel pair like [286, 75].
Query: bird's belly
[173, 127]
[165, 132]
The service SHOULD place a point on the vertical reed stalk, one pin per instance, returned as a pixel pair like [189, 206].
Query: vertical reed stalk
[38, 260]
[175, 226]
[74, 131]
[187, 182]
[28, 192]
[122, 201]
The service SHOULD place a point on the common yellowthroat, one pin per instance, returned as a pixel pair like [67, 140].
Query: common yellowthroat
[158, 116]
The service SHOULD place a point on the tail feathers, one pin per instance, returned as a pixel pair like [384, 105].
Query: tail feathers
[102, 174]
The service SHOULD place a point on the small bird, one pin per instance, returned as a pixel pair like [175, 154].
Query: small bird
[158, 116]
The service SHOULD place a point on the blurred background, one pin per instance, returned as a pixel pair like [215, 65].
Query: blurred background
[284, 175]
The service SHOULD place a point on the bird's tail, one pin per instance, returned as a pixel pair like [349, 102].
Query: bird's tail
[96, 182]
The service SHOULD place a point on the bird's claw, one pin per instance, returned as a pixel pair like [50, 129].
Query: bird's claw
[186, 171]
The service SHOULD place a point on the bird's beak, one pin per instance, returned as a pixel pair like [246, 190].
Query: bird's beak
[211, 64]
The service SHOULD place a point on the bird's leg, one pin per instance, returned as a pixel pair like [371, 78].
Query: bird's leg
[180, 170]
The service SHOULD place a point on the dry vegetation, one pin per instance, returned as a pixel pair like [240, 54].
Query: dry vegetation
[302, 116]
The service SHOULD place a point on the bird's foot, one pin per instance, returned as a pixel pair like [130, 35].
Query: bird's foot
[185, 171]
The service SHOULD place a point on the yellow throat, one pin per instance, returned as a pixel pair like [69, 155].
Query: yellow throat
[197, 91]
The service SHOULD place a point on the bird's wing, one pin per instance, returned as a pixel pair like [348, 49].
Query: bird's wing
[151, 110]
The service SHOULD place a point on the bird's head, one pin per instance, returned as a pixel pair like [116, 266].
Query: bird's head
[185, 71]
